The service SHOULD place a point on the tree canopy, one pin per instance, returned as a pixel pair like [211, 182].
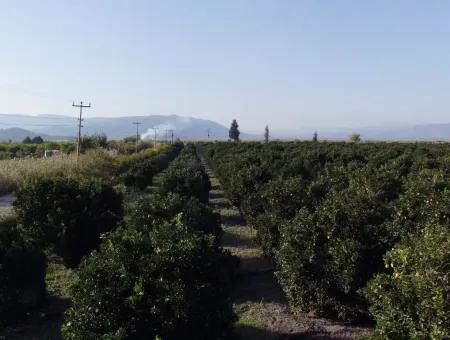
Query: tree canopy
[234, 131]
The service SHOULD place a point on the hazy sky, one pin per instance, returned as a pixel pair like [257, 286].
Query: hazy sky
[285, 63]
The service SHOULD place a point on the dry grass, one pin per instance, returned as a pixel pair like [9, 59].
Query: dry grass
[14, 172]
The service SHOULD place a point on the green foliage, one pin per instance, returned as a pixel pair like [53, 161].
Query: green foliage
[127, 145]
[30, 148]
[426, 198]
[161, 274]
[34, 140]
[93, 142]
[37, 140]
[68, 215]
[152, 210]
[186, 176]
[22, 273]
[328, 212]
[4, 155]
[330, 254]
[138, 170]
[276, 201]
[412, 301]
[165, 283]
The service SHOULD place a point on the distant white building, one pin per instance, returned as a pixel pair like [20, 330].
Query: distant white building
[51, 153]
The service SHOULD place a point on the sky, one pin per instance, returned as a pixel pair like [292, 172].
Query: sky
[288, 64]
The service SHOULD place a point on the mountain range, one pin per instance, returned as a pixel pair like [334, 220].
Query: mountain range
[57, 127]
[65, 127]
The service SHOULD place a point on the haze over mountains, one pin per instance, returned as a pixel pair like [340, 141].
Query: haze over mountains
[59, 126]
[55, 127]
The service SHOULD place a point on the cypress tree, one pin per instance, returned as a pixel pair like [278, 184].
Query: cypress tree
[234, 131]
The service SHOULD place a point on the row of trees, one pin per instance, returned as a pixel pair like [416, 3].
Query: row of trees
[356, 230]
[34, 140]
[36, 146]
[234, 134]
[156, 272]
[161, 274]
[62, 216]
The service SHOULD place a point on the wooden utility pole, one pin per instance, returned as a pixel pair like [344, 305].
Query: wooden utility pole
[170, 131]
[80, 119]
[137, 134]
[154, 142]
[166, 138]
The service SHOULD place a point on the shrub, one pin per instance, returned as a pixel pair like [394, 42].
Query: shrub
[167, 283]
[276, 201]
[152, 210]
[413, 300]
[141, 173]
[22, 273]
[425, 198]
[138, 169]
[68, 215]
[353, 202]
[186, 177]
[327, 256]
[94, 141]
[37, 140]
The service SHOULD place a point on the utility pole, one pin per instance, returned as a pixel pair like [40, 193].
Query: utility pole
[170, 131]
[137, 134]
[154, 129]
[81, 106]
[166, 138]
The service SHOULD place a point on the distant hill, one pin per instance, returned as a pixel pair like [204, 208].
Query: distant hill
[17, 127]
[18, 134]
[119, 127]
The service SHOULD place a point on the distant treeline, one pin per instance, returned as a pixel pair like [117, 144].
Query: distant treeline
[36, 146]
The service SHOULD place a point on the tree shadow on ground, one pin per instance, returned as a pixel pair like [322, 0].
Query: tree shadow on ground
[232, 220]
[217, 194]
[43, 323]
[235, 240]
[257, 287]
[248, 332]
[219, 204]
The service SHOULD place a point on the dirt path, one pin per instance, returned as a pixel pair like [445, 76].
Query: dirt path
[258, 300]
[44, 323]
[6, 204]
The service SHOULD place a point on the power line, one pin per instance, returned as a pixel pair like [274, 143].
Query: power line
[137, 133]
[27, 124]
[81, 106]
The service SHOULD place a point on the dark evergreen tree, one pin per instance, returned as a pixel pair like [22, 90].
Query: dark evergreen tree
[234, 131]
[37, 140]
[27, 140]
[266, 134]
[315, 136]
